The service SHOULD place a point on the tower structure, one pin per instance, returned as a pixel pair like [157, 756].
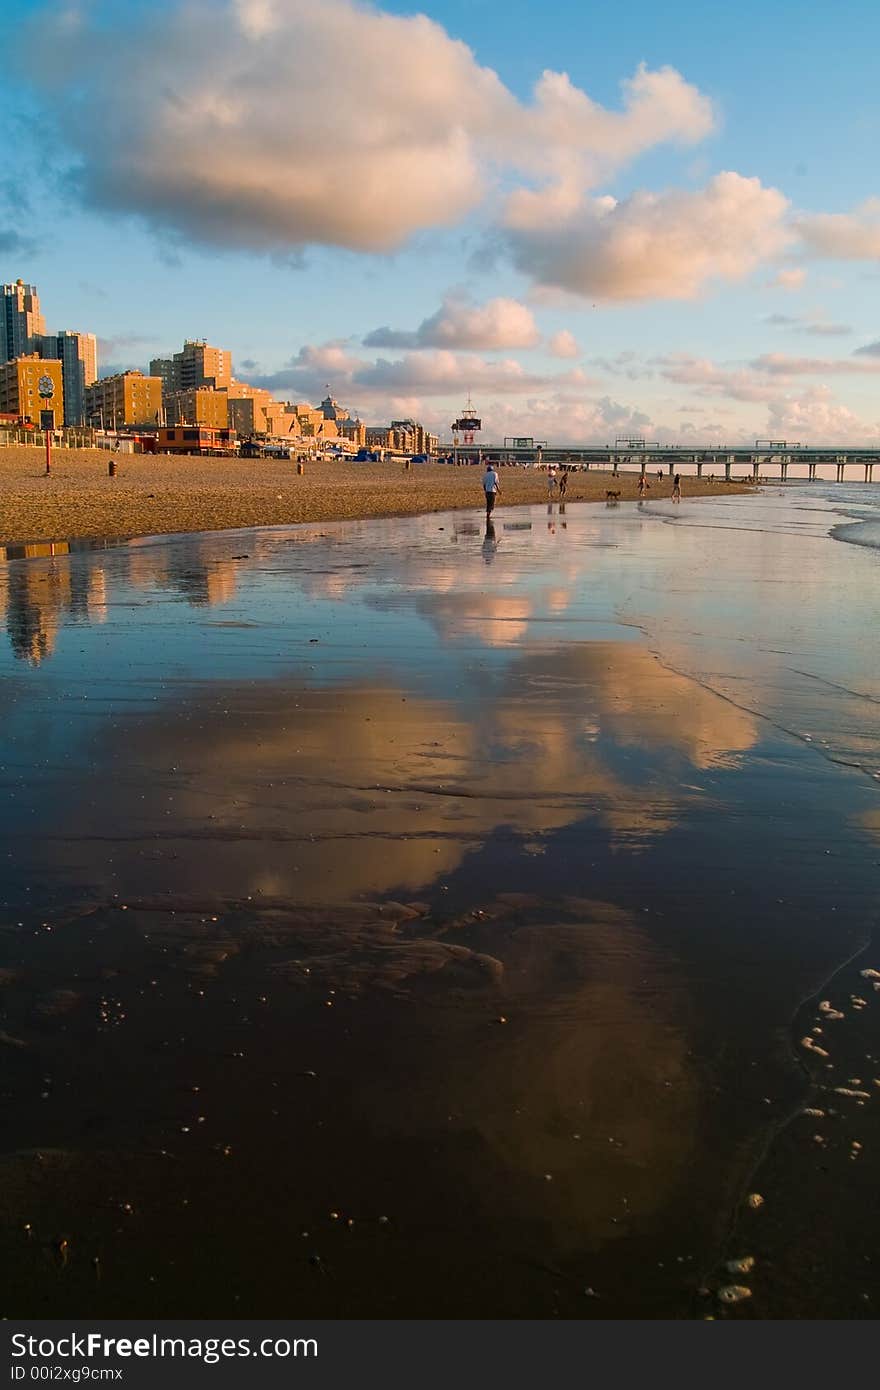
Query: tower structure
[468, 425]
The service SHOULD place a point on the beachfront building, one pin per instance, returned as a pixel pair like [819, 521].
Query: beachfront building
[197, 406]
[78, 355]
[402, 437]
[21, 322]
[163, 368]
[127, 398]
[414, 437]
[348, 427]
[19, 388]
[353, 430]
[200, 366]
[195, 439]
[247, 408]
[197, 367]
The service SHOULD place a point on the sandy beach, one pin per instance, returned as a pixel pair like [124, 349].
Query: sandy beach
[158, 495]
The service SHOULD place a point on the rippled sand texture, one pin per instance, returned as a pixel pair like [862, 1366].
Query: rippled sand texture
[400, 920]
[155, 495]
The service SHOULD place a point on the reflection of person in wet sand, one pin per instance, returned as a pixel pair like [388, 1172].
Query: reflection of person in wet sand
[490, 544]
[491, 487]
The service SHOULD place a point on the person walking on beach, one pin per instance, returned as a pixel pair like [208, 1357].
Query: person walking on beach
[491, 487]
[563, 484]
[643, 486]
[551, 480]
[676, 488]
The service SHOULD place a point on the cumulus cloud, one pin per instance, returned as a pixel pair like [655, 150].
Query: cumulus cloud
[626, 363]
[563, 344]
[566, 419]
[816, 418]
[445, 373]
[853, 236]
[566, 407]
[810, 416]
[273, 124]
[780, 364]
[762, 380]
[650, 245]
[791, 279]
[413, 375]
[459, 323]
[123, 343]
[817, 327]
[708, 378]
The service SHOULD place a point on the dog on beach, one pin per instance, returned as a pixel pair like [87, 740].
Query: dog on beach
[612, 496]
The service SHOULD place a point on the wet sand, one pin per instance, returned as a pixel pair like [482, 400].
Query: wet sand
[404, 920]
[159, 495]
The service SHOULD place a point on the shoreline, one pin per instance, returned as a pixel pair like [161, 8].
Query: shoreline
[157, 495]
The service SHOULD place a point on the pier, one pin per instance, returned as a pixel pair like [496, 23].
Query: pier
[765, 458]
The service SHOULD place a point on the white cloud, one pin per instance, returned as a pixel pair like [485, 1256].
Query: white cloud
[817, 327]
[563, 344]
[708, 378]
[445, 373]
[459, 323]
[853, 236]
[780, 364]
[649, 246]
[568, 421]
[272, 124]
[565, 409]
[437, 373]
[791, 279]
[626, 363]
[816, 418]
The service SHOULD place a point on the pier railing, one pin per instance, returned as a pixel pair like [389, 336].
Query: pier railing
[738, 461]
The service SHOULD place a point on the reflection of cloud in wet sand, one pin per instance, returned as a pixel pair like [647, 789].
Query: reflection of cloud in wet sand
[588, 1081]
[870, 820]
[325, 794]
[497, 620]
[523, 1151]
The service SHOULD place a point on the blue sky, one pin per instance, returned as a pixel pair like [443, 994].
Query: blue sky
[317, 171]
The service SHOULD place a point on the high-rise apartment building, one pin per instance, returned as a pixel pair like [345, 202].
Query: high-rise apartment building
[197, 406]
[198, 367]
[128, 398]
[202, 366]
[78, 354]
[21, 323]
[163, 368]
[20, 388]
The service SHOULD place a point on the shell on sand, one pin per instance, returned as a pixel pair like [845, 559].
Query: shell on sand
[734, 1293]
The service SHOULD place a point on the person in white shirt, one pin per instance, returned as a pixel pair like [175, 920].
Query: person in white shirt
[491, 487]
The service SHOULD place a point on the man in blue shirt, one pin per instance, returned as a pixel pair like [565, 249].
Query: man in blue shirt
[491, 488]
